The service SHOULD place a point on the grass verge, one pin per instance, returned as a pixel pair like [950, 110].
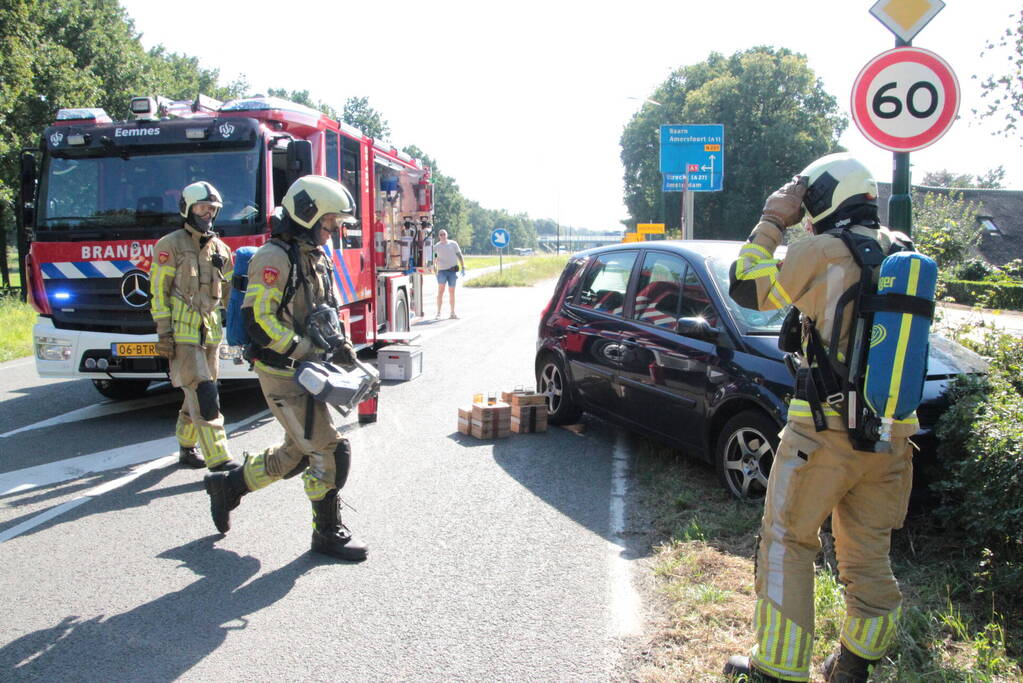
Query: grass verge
[524, 274]
[475, 262]
[16, 320]
[704, 569]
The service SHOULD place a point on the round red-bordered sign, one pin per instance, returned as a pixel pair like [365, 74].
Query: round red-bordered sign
[905, 99]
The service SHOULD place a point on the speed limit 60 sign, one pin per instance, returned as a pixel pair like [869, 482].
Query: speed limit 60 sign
[905, 99]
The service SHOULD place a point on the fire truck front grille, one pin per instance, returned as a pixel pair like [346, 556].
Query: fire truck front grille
[98, 305]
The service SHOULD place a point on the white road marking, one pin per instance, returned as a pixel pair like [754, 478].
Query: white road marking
[75, 468]
[54, 512]
[624, 600]
[17, 363]
[98, 410]
[110, 408]
[122, 456]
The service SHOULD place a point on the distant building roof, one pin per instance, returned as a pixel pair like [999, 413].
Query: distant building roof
[1000, 214]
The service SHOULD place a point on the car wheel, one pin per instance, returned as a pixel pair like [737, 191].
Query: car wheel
[552, 381]
[744, 453]
[121, 389]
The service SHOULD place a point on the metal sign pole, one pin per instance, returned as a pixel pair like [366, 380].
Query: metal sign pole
[900, 204]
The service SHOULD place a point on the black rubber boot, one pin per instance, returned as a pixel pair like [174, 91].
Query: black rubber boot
[739, 670]
[225, 490]
[330, 535]
[845, 666]
[189, 457]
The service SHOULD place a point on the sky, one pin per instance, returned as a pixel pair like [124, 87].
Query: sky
[523, 103]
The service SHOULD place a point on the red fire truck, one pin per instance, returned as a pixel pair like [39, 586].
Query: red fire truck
[98, 193]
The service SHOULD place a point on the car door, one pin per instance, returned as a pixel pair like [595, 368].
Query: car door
[594, 339]
[664, 375]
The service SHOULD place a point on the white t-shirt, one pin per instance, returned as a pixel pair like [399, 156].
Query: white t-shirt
[447, 254]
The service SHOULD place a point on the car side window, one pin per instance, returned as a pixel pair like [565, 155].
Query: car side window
[696, 303]
[603, 287]
[658, 291]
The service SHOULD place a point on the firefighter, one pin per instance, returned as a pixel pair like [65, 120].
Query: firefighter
[289, 278]
[190, 272]
[819, 473]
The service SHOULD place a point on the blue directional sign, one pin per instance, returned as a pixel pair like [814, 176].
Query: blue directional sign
[500, 238]
[693, 153]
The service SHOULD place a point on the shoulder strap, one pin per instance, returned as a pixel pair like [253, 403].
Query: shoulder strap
[294, 279]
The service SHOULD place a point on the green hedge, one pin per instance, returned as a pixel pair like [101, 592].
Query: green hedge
[980, 462]
[1006, 296]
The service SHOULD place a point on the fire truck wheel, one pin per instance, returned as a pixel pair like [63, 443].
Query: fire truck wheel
[121, 389]
[401, 313]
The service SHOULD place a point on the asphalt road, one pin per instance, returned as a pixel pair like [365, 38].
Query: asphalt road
[489, 560]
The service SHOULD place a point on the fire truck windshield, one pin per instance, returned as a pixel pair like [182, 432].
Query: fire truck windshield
[142, 191]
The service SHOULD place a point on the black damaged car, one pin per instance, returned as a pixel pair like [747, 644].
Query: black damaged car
[645, 335]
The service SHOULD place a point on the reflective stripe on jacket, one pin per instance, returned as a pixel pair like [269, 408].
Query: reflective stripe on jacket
[816, 271]
[269, 272]
[188, 288]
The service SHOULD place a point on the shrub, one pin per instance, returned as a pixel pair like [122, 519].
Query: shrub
[1014, 269]
[945, 226]
[973, 269]
[1001, 295]
[980, 454]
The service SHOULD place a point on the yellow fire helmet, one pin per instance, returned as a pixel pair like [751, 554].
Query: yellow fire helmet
[837, 184]
[201, 191]
[312, 196]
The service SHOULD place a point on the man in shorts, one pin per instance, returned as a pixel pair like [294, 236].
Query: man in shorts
[449, 261]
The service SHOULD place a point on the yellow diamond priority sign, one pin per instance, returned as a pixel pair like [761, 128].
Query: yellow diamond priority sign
[906, 18]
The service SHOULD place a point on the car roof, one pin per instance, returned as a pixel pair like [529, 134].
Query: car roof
[694, 248]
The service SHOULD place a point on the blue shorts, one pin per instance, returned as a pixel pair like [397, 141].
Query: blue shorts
[446, 277]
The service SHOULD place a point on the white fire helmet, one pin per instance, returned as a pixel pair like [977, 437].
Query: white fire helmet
[837, 182]
[201, 191]
[312, 196]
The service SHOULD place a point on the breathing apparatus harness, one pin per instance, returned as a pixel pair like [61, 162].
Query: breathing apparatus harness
[827, 379]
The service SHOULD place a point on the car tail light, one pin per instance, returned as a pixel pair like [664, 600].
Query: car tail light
[547, 308]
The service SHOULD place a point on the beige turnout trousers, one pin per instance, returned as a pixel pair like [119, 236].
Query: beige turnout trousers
[191, 365]
[816, 474]
[288, 403]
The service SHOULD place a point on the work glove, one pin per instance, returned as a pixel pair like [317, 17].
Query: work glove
[785, 205]
[344, 353]
[165, 345]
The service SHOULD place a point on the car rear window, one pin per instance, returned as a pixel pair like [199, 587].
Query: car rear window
[604, 284]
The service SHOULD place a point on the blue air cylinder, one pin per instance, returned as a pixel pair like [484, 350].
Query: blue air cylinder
[236, 334]
[896, 366]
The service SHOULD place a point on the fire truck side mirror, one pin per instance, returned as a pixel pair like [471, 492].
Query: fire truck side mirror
[300, 159]
[28, 188]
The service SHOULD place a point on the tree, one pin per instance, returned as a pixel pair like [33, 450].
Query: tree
[449, 209]
[777, 118]
[303, 97]
[993, 179]
[1004, 91]
[358, 113]
[79, 53]
[945, 226]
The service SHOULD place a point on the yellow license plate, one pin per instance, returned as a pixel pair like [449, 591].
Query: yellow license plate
[134, 349]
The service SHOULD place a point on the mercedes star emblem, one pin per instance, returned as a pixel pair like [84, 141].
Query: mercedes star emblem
[135, 289]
